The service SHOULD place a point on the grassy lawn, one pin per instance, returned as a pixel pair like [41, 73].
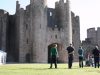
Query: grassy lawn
[43, 69]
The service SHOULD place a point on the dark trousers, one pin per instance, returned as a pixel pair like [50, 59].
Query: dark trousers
[70, 60]
[96, 61]
[80, 61]
[53, 60]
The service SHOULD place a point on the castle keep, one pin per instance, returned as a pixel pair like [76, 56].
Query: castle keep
[28, 35]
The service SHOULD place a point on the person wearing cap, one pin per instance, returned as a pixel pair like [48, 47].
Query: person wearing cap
[70, 50]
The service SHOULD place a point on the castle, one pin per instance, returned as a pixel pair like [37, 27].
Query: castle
[92, 40]
[28, 35]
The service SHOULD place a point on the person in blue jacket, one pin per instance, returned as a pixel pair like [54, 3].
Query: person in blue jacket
[81, 53]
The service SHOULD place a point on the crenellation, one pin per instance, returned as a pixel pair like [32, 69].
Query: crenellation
[62, 1]
[1, 12]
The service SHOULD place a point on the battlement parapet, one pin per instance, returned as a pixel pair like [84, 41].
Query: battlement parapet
[3, 12]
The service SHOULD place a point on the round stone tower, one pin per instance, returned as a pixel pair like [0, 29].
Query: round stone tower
[68, 22]
[39, 23]
[64, 18]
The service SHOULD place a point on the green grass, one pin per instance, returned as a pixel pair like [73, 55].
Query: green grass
[43, 69]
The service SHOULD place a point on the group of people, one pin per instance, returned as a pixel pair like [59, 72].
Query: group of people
[70, 50]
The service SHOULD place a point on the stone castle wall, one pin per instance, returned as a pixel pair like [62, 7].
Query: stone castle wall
[94, 35]
[91, 33]
[92, 40]
[38, 27]
[3, 26]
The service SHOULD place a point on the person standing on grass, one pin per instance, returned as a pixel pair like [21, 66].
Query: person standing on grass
[70, 50]
[54, 54]
[96, 55]
[80, 52]
[91, 61]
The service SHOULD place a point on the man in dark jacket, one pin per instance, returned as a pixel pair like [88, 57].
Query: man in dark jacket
[70, 50]
[96, 54]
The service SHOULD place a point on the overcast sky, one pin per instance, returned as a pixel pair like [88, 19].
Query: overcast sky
[88, 10]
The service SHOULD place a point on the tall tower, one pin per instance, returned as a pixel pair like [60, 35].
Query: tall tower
[67, 26]
[63, 16]
[68, 22]
[39, 24]
[64, 19]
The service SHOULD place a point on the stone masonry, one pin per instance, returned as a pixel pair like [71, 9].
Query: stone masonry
[31, 32]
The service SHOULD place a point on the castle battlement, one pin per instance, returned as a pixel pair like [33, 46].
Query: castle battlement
[91, 29]
[2, 12]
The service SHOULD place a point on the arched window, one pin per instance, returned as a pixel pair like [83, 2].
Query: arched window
[50, 13]
[56, 36]
[26, 26]
[27, 40]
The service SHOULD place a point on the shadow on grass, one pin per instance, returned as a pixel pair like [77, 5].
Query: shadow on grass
[29, 69]
[34, 68]
[41, 68]
[64, 68]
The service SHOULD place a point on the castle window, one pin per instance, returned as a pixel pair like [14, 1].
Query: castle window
[27, 40]
[50, 13]
[40, 26]
[73, 31]
[51, 36]
[56, 36]
[26, 26]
